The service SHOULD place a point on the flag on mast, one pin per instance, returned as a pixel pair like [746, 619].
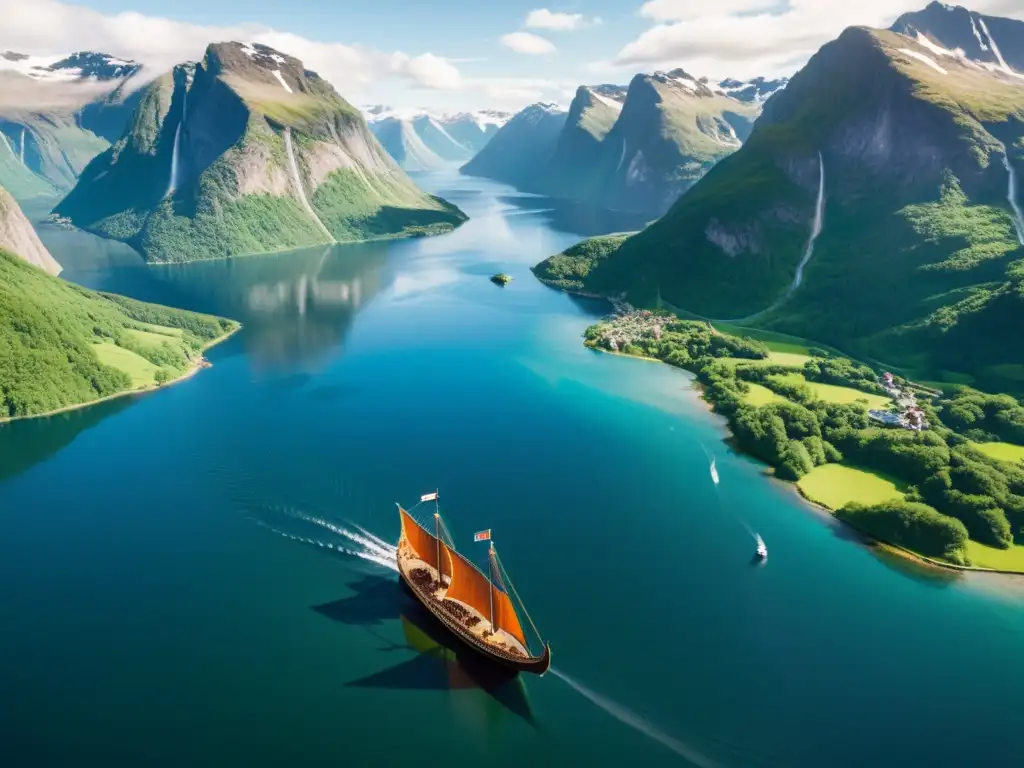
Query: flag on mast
[482, 536]
[429, 496]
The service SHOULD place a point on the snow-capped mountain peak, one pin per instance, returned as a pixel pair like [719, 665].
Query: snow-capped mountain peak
[82, 65]
[756, 90]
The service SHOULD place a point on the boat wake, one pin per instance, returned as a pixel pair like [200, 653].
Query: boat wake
[636, 722]
[716, 480]
[358, 542]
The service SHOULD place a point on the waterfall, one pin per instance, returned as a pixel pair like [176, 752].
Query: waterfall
[819, 213]
[175, 162]
[294, 168]
[1018, 214]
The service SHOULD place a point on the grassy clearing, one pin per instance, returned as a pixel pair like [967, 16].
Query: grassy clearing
[776, 342]
[830, 393]
[163, 330]
[141, 371]
[153, 338]
[791, 359]
[834, 485]
[759, 395]
[1002, 451]
[983, 556]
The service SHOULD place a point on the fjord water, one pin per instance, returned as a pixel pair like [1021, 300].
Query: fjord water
[178, 587]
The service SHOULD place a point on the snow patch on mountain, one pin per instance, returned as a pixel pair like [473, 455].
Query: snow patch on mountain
[938, 50]
[616, 105]
[63, 68]
[280, 79]
[925, 59]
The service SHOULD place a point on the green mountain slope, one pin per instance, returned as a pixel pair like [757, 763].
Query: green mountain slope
[62, 345]
[918, 259]
[248, 152]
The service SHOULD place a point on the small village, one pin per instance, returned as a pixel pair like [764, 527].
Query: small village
[907, 414]
[629, 325]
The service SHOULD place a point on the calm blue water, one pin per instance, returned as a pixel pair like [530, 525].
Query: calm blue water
[176, 590]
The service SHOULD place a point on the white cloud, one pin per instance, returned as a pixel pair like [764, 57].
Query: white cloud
[683, 10]
[51, 27]
[513, 94]
[542, 18]
[527, 43]
[429, 71]
[743, 38]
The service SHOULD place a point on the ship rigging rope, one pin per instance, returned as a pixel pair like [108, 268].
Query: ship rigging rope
[511, 586]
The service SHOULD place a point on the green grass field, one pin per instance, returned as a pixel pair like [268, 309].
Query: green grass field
[142, 372]
[759, 395]
[983, 556]
[1002, 451]
[154, 338]
[833, 394]
[776, 342]
[834, 485]
[793, 360]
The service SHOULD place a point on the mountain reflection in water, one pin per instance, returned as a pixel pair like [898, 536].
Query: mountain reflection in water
[296, 306]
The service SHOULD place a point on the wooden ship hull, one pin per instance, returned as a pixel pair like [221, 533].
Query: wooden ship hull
[477, 613]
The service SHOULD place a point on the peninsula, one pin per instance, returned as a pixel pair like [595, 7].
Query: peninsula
[65, 347]
[934, 472]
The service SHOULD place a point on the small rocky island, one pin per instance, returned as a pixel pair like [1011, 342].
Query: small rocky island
[501, 279]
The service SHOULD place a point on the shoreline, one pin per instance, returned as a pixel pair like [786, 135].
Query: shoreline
[866, 539]
[199, 365]
[276, 251]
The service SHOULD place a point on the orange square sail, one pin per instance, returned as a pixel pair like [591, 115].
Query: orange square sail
[421, 542]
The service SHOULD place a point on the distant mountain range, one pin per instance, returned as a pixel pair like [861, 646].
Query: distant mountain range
[876, 206]
[634, 148]
[419, 140]
[247, 152]
[84, 65]
[57, 113]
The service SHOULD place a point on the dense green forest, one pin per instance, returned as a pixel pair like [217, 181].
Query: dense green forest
[948, 479]
[55, 337]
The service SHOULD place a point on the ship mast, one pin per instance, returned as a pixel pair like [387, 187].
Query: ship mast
[490, 579]
[437, 529]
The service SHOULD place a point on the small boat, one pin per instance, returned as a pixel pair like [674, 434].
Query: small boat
[714, 472]
[477, 609]
[762, 550]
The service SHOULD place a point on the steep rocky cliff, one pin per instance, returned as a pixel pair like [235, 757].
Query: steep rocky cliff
[248, 152]
[19, 237]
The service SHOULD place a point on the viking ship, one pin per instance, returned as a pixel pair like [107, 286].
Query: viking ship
[477, 608]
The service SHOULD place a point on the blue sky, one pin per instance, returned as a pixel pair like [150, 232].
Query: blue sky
[464, 54]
